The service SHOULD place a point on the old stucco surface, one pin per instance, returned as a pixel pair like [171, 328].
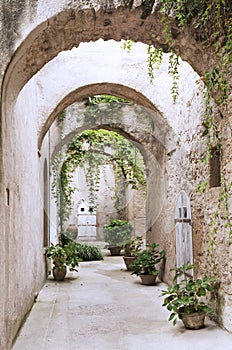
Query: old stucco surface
[33, 33]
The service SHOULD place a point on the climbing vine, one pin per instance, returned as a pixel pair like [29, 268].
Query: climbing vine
[224, 198]
[92, 149]
[212, 22]
[95, 104]
[154, 60]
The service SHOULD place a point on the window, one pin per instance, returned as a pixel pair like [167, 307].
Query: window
[215, 168]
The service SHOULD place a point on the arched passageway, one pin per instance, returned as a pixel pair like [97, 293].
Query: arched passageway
[140, 126]
[29, 109]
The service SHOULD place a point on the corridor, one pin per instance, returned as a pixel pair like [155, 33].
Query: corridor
[104, 307]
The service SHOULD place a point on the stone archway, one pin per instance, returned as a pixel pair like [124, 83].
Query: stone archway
[50, 32]
[67, 26]
[138, 125]
[35, 109]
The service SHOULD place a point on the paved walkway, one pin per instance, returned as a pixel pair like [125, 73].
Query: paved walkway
[104, 307]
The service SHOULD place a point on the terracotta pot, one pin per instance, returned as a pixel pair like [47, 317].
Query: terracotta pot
[194, 321]
[148, 279]
[128, 260]
[72, 232]
[115, 250]
[58, 273]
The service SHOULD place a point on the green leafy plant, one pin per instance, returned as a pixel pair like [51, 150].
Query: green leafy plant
[187, 296]
[88, 150]
[63, 256]
[85, 252]
[132, 246]
[147, 260]
[117, 231]
[72, 258]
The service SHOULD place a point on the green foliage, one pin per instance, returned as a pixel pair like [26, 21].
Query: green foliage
[88, 150]
[154, 60]
[212, 21]
[97, 104]
[210, 129]
[147, 259]
[132, 246]
[104, 99]
[117, 231]
[173, 72]
[127, 45]
[88, 252]
[63, 256]
[224, 198]
[213, 18]
[202, 187]
[187, 296]
[72, 258]
[85, 252]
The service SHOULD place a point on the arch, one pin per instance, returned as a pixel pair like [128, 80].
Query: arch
[81, 22]
[153, 154]
[72, 85]
[142, 126]
[96, 89]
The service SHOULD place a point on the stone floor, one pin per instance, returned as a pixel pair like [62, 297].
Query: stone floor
[104, 307]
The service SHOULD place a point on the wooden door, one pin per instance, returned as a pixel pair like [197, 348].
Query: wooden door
[183, 220]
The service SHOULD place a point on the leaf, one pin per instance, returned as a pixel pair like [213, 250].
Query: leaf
[172, 316]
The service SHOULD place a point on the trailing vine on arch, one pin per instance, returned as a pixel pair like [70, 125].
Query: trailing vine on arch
[91, 150]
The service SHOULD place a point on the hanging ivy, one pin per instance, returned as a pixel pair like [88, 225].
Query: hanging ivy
[212, 22]
[154, 60]
[92, 149]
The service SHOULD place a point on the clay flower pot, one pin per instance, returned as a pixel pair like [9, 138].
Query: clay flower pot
[148, 280]
[193, 321]
[115, 250]
[59, 273]
[128, 260]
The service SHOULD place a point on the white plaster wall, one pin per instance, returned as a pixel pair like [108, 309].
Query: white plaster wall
[24, 254]
[102, 61]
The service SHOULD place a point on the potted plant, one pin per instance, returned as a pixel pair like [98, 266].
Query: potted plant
[62, 257]
[131, 247]
[115, 233]
[145, 265]
[186, 299]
